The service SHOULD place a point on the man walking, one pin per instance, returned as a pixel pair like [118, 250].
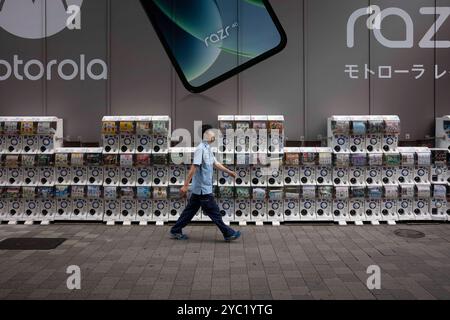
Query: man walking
[201, 174]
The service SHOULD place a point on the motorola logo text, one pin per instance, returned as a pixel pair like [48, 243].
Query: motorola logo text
[34, 70]
[376, 17]
[38, 19]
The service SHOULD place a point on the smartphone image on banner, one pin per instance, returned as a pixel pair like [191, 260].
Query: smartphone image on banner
[209, 41]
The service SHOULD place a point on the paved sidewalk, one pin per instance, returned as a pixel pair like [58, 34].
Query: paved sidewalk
[287, 262]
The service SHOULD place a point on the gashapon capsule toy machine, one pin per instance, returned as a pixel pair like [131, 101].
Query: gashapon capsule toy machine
[362, 176]
[27, 177]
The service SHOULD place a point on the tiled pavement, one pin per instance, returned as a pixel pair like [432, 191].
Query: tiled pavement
[287, 262]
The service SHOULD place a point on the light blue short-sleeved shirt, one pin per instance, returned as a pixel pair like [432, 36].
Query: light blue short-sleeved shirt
[204, 160]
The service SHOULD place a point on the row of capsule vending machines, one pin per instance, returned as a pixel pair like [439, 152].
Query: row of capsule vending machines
[136, 176]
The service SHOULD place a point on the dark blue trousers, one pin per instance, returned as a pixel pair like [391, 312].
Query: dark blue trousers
[210, 208]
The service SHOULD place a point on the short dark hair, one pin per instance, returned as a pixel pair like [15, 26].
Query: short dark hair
[205, 128]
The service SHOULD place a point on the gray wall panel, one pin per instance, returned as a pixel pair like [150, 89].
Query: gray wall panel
[142, 81]
[409, 98]
[205, 107]
[80, 103]
[222, 99]
[443, 61]
[328, 89]
[140, 69]
[21, 97]
[275, 86]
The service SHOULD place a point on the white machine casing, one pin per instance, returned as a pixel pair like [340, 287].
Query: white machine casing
[176, 208]
[391, 134]
[63, 209]
[15, 176]
[421, 207]
[389, 203]
[144, 139]
[356, 209]
[15, 210]
[372, 209]
[47, 176]
[4, 176]
[3, 144]
[111, 176]
[275, 210]
[144, 176]
[160, 210]
[127, 210]
[127, 176]
[307, 209]
[95, 175]
[96, 209]
[423, 165]
[79, 175]
[79, 209]
[324, 209]
[242, 210]
[439, 209]
[260, 137]
[30, 144]
[112, 210]
[259, 176]
[339, 133]
[340, 210]
[63, 175]
[143, 210]
[13, 143]
[443, 132]
[224, 179]
[180, 160]
[259, 210]
[111, 143]
[225, 140]
[357, 139]
[341, 169]
[127, 143]
[160, 144]
[242, 136]
[341, 176]
[308, 162]
[144, 143]
[275, 176]
[276, 139]
[31, 209]
[161, 140]
[291, 168]
[47, 209]
[405, 209]
[3, 209]
[324, 169]
[389, 175]
[160, 175]
[291, 209]
[46, 144]
[226, 207]
[243, 178]
[406, 171]
[30, 176]
[440, 165]
[357, 176]
[375, 133]
[389, 209]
